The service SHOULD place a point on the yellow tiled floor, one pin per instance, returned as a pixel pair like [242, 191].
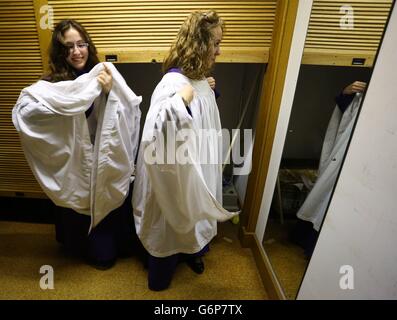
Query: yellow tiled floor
[288, 259]
[24, 247]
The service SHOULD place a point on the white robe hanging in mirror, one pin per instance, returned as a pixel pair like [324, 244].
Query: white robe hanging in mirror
[334, 147]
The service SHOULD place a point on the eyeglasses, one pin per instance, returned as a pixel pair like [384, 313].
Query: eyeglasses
[79, 45]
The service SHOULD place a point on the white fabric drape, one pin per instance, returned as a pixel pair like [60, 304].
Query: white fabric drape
[177, 201]
[92, 179]
[334, 148]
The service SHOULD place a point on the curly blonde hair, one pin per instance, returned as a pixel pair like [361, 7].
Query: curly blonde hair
[193, 45]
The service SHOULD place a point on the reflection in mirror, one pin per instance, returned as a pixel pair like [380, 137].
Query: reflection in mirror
[335, 69]
[303, 185]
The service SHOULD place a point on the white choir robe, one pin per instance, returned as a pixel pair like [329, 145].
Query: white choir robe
[334, 147]
[82, 164]
[177, 206]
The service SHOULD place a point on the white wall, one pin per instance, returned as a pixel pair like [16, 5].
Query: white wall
[298, 42]
[360, 228]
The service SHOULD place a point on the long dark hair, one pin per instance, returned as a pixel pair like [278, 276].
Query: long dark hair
[191, 47]
[59, 68]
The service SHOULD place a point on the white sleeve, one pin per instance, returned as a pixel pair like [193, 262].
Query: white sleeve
[129, 114]
[46, 140]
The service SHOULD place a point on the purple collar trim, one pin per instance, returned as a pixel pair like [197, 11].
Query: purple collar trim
[174, 70]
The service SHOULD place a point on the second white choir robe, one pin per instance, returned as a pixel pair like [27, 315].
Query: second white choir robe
[334, 148]
[90, 177]
[177, 206]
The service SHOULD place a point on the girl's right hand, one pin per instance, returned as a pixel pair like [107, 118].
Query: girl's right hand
[356, 86]
[187, 94]
[105, 79]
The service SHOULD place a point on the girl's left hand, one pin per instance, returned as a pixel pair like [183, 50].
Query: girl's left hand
[211, 82]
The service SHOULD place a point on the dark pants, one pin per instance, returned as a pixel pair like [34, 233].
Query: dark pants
[161, 270]
[304, 236]
[113, 237]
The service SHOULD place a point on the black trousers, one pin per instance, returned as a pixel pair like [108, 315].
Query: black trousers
[161, 270]
[113, 237]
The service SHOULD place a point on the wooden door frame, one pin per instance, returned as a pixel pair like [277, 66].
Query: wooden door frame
[269, 106]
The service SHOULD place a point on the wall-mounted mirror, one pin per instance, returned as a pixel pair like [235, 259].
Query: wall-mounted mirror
[341, 44]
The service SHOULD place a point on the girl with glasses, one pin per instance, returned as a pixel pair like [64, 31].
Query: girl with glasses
[80, 138]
